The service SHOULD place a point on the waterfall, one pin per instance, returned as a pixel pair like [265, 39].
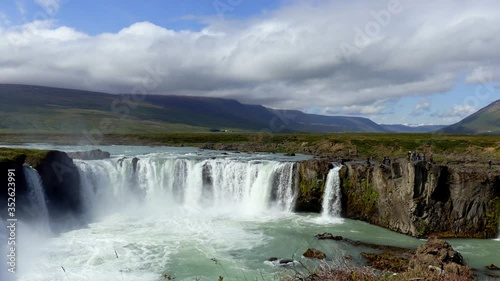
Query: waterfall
[38, 206]
[231, 185]
[331, 205]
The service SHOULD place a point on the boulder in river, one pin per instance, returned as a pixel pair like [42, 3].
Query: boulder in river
[437, 253]
[286, 261]
[280, 262]
[314, 254]
[95, 154]
[492, 267]
[328, 236]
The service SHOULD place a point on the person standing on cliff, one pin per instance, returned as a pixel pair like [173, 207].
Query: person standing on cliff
[490, 164]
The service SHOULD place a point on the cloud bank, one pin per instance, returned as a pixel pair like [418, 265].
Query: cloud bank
[336, 56]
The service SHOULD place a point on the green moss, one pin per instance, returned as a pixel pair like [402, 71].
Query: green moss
[347, 183]
[370, 195]
[423, 228]
[33, 156]
[309, 188]
[362, 201]
[493, 218]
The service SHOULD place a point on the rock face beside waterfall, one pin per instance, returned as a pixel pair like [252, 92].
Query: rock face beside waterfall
[311, 184]
[413, 198]
[61, 182]
[58, 174]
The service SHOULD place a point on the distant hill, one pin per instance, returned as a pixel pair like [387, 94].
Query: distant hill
[485, 121]
[27, 108]
[396, 128]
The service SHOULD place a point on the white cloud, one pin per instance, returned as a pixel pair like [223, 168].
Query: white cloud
[51, 7]
[289, 58]
[456, 113]
[484, 75]
[373, 109]
[424, 106]
[462, 110]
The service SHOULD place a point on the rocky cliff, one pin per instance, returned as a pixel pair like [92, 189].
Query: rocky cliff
[414, 198]
[312, 178]
[61, 182]
[60, 177]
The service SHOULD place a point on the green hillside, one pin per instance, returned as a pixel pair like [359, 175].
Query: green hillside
[36, 109]
[485, 121]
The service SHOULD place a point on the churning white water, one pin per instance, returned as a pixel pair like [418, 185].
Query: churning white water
[331, 205]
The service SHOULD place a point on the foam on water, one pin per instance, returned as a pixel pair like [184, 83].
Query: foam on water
[166, 240]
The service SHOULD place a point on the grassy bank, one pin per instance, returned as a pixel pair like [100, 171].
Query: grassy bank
[32, 156]
[352, 145]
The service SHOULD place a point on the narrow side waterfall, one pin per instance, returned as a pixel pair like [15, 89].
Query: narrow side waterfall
[38, 205]
[249, 187]
[331, 205]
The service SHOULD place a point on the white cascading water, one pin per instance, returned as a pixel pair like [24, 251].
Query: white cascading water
[332, 205]
[248, 187]
[36, 196]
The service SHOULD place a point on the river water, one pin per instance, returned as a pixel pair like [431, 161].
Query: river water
[194, 214]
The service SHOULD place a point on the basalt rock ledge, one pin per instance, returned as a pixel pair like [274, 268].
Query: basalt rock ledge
[414, 198]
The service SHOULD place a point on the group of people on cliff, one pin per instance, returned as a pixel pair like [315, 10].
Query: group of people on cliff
[414, 156]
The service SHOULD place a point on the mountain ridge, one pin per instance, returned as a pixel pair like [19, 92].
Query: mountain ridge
[484, 121]
[41, 109]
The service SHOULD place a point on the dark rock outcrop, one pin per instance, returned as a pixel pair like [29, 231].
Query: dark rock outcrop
[438, 255]
[281, 262]
[286, 261]
[135, 160]
[61, 182]
[492, 267]
[314, 254]
[95, 154]
[328, 236]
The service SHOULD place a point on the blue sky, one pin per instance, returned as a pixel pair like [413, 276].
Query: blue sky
[362, 58]
[94, 17]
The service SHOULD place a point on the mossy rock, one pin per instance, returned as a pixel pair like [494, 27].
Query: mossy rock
[32, 157]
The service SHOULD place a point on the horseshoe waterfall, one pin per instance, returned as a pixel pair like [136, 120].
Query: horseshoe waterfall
[153, 213]
[246, 187]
